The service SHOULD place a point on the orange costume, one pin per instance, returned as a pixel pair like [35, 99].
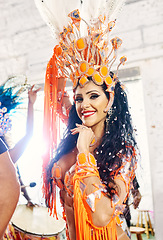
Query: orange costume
[86, 167]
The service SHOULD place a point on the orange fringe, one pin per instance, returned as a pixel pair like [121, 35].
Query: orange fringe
[85, 230]
[51, 125]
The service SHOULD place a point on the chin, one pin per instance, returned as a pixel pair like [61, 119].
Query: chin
[88, 124]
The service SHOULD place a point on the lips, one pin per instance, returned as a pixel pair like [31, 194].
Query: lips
[87, 113]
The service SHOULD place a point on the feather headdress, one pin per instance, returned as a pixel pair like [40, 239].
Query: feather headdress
[92, 9]
[84, 43]
[10, 97]
[55, 13]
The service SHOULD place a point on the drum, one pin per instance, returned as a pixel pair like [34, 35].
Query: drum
[35, 223]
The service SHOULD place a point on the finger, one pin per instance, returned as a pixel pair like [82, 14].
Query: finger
[37, 90]
[77, 124]
[73, 132]
[32, 87]
[80, 125]
[79, 129]
[73, 129]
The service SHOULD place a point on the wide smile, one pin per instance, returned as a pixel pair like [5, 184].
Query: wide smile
[88, 114]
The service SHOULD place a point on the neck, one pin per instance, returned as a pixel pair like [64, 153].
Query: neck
[99, 132]
[98, 129]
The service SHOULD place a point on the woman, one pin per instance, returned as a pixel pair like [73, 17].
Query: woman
[113, 134]
[95, 162]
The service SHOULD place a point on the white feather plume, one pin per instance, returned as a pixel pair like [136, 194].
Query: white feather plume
[55, 12]
[95, 8]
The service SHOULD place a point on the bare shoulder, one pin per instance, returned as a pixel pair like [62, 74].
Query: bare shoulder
[67, 161]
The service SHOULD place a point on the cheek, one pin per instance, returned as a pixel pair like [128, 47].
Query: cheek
[102, 105]
[78, 110]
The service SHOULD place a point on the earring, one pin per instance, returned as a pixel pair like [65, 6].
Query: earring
[109, 114]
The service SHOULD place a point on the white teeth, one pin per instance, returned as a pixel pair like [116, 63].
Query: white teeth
[88, 113]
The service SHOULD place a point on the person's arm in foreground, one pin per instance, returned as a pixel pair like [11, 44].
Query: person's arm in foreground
[19, 148]
[9, 191]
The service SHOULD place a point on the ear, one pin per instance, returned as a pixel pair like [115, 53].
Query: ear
[110, 103]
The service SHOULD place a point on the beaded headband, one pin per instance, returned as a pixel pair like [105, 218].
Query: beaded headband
[91, 56]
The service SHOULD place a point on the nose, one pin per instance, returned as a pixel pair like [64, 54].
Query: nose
[85, 103]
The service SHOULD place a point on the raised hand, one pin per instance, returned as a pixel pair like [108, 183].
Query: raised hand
[32, 94]
[86, 135]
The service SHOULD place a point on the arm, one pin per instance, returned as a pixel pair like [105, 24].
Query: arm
[19, 148]
[9, 191]
[23, 189]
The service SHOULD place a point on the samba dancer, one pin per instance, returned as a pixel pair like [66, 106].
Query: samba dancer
[94, 164]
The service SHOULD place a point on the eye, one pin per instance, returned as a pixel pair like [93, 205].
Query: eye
[94, 96]
[78, 99]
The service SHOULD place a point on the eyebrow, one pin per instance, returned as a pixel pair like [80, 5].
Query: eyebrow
[78, 94]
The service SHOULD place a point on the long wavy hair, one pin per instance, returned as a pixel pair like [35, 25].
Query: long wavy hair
[118, 137]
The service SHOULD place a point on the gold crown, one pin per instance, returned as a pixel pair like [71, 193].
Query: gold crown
[91, 56]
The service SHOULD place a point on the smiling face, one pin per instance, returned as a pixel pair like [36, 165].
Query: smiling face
[91, 102]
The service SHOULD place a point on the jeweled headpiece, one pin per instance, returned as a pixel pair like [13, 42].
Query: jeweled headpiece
[90, 56]
[90, 52]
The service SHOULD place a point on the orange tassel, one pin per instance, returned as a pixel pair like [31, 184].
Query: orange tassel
[51, 126]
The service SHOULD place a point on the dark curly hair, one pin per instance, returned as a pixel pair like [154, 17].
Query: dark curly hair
[118, 137]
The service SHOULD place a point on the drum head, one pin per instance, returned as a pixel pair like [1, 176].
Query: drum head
[36, 220]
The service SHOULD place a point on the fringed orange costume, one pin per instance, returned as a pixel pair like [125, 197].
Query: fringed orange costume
[86, 167]
[85, 204]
